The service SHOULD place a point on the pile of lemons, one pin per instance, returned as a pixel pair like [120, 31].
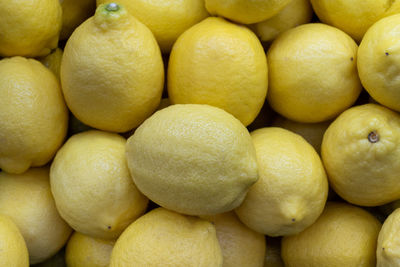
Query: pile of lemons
[248, 133]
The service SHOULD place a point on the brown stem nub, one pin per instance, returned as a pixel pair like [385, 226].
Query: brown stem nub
[373, 137]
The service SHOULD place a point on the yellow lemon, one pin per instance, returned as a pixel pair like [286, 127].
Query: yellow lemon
[26, 198]
[312, 73]
[29, 27]
[388, 249]
[85, 251]
[167, 19]
[53, 61]
[344, 235]
[312, 132]
[292, 189]
[297, 12]
[12, 245]
[360, 151]
[356, 16]
[33, 114]
[246, 11]
[193, 159]
[240, 245]
[162, 238]
[221, 64]
[92, 187]
[74, 12]
[378, 61]
[112, 72]
[273, 256]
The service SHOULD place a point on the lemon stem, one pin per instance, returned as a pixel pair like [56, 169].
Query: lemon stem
[112, 7]
[373, 137]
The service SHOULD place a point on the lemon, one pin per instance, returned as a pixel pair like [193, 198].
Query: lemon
[344, 235]
[26, 198]
[12, 245]
[193, 159]
[240, 245]
[29, 27]
[356, 16]
[168, 239]
[312, 73]
[297, 12]
[246, 11]
[388, 249]
[92, 187]
[74, 12]
[273, 256]
[85, 251]
[53, 61]
[33, 114]
[221, 64]
[360, 151]
[167, 19]
[378, 61]
[312, 132]
[292, 189]
[112, 72]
